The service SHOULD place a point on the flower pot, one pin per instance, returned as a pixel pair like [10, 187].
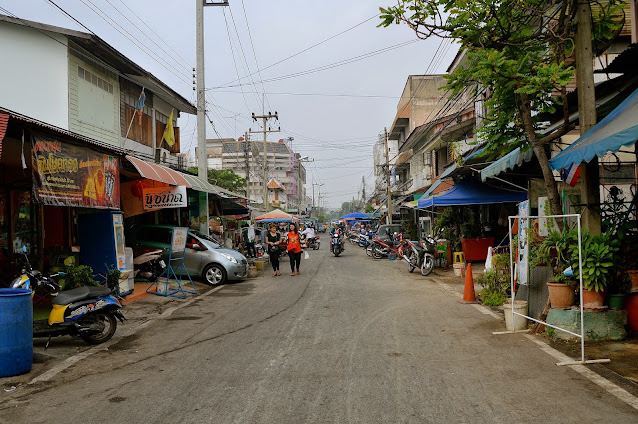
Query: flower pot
[632, 311]
[616, 301]
[634, 280]
[561, 296]
[593, 299]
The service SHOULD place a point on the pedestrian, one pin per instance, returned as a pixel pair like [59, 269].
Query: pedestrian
[250, 241]
[294, 249]
[273, 240]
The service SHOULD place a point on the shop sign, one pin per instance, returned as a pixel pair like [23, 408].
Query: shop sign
[179, 239]
[69, 175]
[164, 197]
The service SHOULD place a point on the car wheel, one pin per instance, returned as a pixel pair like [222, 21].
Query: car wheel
[214, 274]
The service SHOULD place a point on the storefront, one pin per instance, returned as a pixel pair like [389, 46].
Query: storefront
[48, 178]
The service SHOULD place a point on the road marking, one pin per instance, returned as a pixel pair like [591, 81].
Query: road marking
[592, 376]
[69, 362]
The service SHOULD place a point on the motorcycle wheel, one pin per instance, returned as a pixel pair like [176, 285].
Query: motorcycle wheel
[376, 253]
[336, 251]
[428, 265]
[369, 250]
[316, 246]
[412, 261]
[105, 322]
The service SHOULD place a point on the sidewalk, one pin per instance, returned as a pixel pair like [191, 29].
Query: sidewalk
[623, 354]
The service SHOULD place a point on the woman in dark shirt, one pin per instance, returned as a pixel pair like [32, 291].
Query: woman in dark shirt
[273, 239]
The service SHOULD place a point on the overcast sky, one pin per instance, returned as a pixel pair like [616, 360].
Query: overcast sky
[333, 114]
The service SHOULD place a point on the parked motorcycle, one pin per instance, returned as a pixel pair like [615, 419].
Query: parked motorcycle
[88, 312]
[429, 247]
[149, 264]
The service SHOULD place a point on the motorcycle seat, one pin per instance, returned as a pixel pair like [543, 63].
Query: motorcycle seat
[74, 295]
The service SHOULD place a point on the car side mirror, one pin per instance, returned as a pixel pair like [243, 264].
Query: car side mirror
[197, 247]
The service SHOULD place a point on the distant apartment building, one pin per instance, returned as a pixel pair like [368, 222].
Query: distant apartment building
[246, 159]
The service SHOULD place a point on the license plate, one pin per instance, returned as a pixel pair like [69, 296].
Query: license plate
[162, 264]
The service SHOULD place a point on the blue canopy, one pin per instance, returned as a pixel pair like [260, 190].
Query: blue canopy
[472, 192]
[618, 129]
[356, 215]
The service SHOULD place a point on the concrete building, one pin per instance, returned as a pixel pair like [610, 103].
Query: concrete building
[91, 89]
[245, 158]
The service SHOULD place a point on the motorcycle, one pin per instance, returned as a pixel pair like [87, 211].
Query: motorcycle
[149, 264]
[336, 243]
[311, 243]
[365, 239]
[429, 247]
[88, 312]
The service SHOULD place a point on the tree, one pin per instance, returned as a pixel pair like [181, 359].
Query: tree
[225, 178]
[519, 52]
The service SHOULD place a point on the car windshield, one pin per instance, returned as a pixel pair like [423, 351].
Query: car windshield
[214, 242]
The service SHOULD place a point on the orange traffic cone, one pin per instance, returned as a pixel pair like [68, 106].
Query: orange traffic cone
[468, 291]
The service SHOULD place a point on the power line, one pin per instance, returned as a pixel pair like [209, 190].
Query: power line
[168, 55]
[103, 16]
[232, 52]
[155, 33]
[311, 47]
[328, 66]
[366, 96]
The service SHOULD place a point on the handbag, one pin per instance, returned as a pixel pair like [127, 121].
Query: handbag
[273, 249]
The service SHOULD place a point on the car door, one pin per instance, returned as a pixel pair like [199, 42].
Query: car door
[193, 257]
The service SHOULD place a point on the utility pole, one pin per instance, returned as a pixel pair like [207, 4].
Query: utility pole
[247, 159]
[387, 178]
[265, 119]
[312, 210]
[589, 177]
[202, 168]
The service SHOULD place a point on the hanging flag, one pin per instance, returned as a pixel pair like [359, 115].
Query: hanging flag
[4, 120]
[139, 106]
[570, 175]
[169, 133]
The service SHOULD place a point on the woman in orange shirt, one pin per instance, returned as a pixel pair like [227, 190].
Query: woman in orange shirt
[294, 249]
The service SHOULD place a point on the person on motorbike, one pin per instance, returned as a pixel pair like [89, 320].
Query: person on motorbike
[339, 227]
[308, 233]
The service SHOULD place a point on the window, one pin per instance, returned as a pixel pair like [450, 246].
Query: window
[95, 80]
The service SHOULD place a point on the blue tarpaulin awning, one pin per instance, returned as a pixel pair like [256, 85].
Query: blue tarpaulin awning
[356, 215]
[514, 158]
[472, 192]
[618, 129]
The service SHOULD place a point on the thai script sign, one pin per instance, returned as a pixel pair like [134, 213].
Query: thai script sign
[164, 197]
[68, 175]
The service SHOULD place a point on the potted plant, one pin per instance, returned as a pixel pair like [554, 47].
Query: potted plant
[598, 265]
[553, 251]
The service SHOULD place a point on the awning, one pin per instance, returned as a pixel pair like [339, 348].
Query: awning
[156, 172]
[618, 129]
[275, 216]
[356, 215]
[198, 184]
[472, 192]
[514, 158]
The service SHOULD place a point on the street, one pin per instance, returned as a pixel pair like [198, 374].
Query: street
[351, 339]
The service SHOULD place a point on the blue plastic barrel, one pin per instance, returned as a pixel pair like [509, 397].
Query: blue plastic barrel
[16, 332]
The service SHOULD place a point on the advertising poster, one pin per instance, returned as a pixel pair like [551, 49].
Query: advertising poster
[179, 239]
[69, 175]
[523, 249]
[545, 225]
[164, 197]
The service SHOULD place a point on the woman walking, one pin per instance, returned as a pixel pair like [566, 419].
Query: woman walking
[273, 239]
[294, 249]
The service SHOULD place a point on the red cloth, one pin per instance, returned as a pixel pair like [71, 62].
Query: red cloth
[293, 242]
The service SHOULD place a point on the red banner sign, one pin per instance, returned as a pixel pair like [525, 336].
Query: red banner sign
[69, 175]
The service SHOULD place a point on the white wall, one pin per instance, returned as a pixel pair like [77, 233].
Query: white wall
[34, 75]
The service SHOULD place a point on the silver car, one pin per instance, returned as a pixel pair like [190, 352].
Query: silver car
[204, 256]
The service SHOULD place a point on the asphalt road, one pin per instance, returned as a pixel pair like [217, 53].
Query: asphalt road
[350, 340]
